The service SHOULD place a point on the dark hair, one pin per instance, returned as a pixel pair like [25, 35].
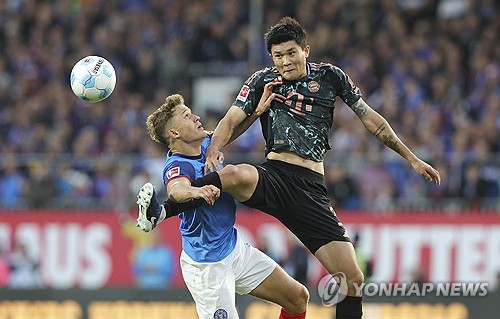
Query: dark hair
[285, 30]
[157, 121]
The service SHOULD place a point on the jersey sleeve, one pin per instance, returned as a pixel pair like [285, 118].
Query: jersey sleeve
[346, 89]
[249, 96]
[178, 169]
[206, 142]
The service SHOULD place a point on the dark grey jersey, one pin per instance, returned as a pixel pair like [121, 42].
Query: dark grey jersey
[302, 123]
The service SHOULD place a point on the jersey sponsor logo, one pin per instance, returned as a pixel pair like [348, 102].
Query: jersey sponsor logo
[313, 86]
[242, 96]
[220, 314]
[173, 172]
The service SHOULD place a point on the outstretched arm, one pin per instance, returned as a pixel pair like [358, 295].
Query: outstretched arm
[183, 195]
[380, 128]
[181, 191]
[235, 123]
[264, 104]
[222, 136]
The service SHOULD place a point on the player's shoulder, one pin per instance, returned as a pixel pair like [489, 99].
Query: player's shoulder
[178, 166]
[206, 142]
[325, 67]
[262, 74]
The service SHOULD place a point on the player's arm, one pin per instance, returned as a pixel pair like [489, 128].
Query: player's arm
[235, 123]
[264, 104]
[182, 196]
[222, 135]
[172, 208]
[180, 190]
[377, 125]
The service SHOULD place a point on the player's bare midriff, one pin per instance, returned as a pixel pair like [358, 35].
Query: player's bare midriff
[295, 159]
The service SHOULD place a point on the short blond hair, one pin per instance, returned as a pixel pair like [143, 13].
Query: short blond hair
[156, 122]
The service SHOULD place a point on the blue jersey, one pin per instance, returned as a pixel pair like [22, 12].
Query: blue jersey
[208, 233]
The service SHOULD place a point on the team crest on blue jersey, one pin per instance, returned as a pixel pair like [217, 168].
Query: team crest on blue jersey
[220, 314]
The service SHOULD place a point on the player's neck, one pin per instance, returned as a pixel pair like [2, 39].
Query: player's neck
[191, 149]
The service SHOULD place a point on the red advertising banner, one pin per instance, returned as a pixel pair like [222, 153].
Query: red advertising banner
[75, 249]
[92, 250]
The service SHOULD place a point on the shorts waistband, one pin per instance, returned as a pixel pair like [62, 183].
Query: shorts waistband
[297, 170]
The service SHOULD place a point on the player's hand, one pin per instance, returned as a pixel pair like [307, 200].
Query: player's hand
[427, 171]
[209, 193]
[268, 96]
[213, 159]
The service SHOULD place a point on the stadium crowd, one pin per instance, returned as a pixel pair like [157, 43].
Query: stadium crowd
[431, 67]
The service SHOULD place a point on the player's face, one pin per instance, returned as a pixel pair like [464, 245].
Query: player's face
[187, 125]
[290, 59]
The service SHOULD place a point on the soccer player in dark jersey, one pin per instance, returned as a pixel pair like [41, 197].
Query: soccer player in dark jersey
[290, 184]
[215, 261]
[295, 102]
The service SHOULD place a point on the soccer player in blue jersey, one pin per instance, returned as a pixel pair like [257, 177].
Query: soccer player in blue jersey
[215, 262]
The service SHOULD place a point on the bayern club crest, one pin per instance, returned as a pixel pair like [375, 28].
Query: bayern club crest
[313, 86]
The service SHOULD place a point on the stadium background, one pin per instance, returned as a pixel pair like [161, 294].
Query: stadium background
[69, 171]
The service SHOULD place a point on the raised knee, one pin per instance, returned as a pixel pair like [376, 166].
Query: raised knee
[356, 276]
[229, 175]
[303, 299]
[355, 280]
[299, 303]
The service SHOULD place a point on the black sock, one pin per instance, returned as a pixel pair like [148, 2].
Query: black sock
[350, 308]
[174, 209]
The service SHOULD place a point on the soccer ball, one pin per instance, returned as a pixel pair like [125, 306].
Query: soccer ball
[93, 79]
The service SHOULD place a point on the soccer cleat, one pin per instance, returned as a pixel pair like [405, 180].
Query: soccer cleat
[149, 209]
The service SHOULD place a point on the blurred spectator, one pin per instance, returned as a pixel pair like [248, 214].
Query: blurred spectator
[376, 188]
[264, 246]
[429, 66]
[12, 183]
[24, 269]
[341, 188]
[154, 265]
[364, 263]
[475, 187]
[296, 263]
[42, 188]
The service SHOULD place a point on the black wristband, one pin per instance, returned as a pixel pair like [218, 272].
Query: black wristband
[209, 179]
[174, 209]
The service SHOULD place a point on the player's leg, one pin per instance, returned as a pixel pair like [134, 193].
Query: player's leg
[212, 286]
[311, 218]
[239, 180]
[258, 275]
[339, 256]
[285, 291]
